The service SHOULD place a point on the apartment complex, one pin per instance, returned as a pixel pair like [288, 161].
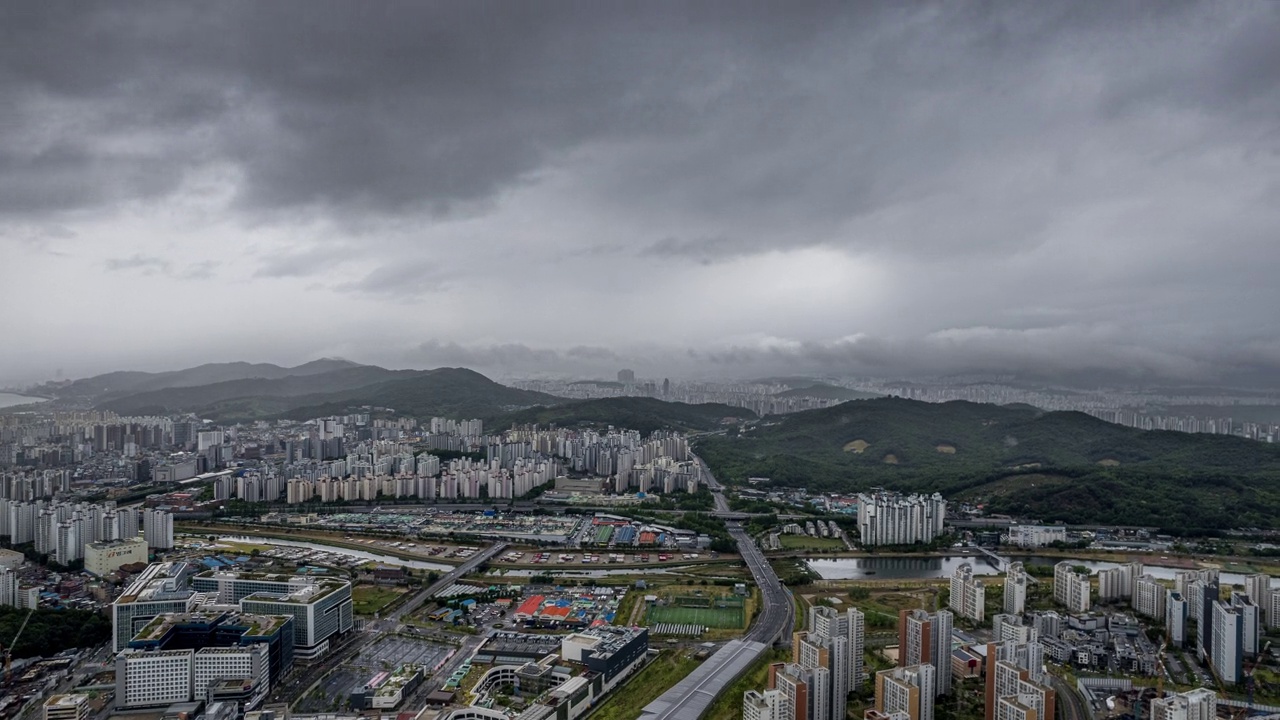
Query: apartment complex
[1149, 597]
[886, 518]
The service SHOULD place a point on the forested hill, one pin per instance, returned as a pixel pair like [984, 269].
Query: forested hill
[1054, 466]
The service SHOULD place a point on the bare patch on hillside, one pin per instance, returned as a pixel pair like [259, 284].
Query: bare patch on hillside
[1108, 462]
[891, 459]
[856, 446]
[946, 449]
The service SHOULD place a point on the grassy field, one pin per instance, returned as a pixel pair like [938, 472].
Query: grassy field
[627, 701]
[804, 542]
[727, 618]
[369, 599]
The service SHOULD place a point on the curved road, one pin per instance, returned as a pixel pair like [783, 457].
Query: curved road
[691, 697]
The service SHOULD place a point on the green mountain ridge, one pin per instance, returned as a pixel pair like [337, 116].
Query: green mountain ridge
[1051, 466]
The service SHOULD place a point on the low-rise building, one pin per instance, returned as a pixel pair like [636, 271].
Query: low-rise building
[67, 707]
[104, 558]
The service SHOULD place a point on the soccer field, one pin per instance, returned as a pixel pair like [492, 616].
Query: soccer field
[727, 618]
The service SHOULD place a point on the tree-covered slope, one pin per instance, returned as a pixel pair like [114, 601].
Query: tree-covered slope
[1055, 466]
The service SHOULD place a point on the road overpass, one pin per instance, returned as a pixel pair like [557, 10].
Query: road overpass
[691, 697]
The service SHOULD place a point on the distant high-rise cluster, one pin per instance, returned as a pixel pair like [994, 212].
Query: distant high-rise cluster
[886, 518]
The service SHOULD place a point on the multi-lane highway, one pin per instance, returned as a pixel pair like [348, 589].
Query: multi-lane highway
[691, 697]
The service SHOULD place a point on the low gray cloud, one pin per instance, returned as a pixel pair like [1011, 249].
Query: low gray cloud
[1064, 190]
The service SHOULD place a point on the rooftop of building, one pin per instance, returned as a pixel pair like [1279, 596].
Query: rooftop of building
[609, 639]
[107, 544]
[398, 679]
[69, 700]
[160, 581]
[307, 594]
[254, 624]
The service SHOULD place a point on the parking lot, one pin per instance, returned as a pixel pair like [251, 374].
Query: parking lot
[388, 653]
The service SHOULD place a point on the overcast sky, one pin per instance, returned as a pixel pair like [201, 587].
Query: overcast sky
[688, 189]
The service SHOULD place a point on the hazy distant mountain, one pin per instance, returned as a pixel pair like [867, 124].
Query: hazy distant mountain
[453, 392]
[118, 384]
[191, 398]
[633, 413]
[1050, 465]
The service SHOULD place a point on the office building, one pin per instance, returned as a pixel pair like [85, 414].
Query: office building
[321, 607]
[1175, 618]
[1071, 588]
[767, 705]
[610, 651]
[156, 678]
[222, 628]
[1036, 535]
[968, 594]
[886, 518]
[1015, 589]
[1149, 597]
[1226, 654]
[104, 558]
[1197, 704]
[161, 589]
[925, 639]
[67, 707]
[909, 690]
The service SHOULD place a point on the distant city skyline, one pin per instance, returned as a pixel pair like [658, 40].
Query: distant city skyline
[1057, 191]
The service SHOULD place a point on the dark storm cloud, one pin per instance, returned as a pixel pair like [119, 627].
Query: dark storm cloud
[1047, 187]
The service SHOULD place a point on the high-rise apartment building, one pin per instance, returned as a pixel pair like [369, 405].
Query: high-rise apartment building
[798, 686]
[767, 705]
[1226, 654]
[925, 639]
[909, 690]
[1250, 622]
[157, 528]
[1014, 674]
[1117, 583]
[1149, 597]
[886, 518]
[1175, 618]
[1071, 588]
[1258, 588]
[1015, 589]
[850, 624]
[968, 594]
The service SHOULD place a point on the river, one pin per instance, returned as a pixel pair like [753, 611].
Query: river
[922, 568]
[9, 400]
[362, 554]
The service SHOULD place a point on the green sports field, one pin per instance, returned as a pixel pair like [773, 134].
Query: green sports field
[726, 618]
